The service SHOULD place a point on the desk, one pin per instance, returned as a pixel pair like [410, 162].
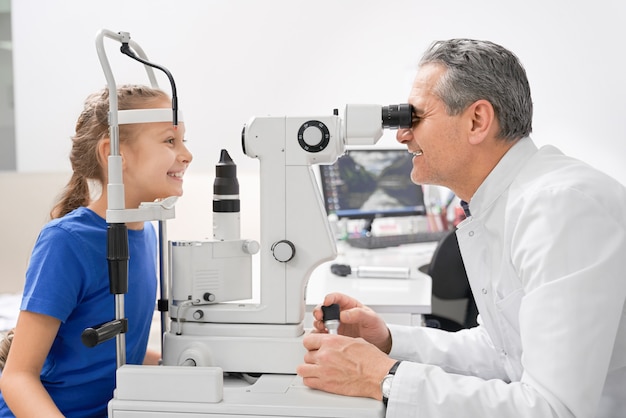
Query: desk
[398, 301]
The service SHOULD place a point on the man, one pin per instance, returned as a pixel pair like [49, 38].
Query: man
[544, 247]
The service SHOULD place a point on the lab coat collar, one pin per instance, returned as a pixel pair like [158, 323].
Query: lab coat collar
[502, 175]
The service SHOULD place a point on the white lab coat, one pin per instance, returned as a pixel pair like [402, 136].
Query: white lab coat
[545, 253]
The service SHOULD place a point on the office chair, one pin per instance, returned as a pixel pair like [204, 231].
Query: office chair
[449, 282]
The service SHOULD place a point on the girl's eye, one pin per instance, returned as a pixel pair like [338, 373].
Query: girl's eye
[170, 140]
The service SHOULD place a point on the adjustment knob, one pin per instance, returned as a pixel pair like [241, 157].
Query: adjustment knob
[313, 136]
[330, 316]
[251, 247]
[283, 250]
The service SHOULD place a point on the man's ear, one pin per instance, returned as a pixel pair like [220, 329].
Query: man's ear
[482, 118]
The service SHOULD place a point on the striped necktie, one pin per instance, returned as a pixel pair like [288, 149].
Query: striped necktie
[465, 207]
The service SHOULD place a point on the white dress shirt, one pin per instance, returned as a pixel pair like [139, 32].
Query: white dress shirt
[545, 253]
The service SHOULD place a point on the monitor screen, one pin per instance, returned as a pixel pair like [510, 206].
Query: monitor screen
[371, 183]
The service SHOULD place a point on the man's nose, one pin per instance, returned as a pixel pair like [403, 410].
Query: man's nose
[404, 135]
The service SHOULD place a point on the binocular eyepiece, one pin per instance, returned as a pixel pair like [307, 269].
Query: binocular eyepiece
[397, 116]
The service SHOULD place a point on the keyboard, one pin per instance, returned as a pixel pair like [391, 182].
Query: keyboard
[384, 241]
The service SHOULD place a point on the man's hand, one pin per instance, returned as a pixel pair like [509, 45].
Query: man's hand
[356, 320]
[343, 365]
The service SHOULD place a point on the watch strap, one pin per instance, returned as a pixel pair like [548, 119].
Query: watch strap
[394, 368]
[391, 372]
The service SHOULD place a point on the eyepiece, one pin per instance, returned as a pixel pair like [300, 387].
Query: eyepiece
[397, 116]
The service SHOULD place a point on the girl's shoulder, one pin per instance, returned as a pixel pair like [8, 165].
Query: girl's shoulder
[80, 219]
[83, 226]
[73, 232]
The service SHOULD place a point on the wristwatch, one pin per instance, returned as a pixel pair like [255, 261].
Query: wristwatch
[385, 384]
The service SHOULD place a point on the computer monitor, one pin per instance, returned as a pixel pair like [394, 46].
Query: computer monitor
[371, 183]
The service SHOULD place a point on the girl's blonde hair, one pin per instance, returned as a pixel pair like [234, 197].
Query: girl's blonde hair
[91, 127]
[5, 344]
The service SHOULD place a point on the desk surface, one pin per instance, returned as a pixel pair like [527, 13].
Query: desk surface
[411, 295]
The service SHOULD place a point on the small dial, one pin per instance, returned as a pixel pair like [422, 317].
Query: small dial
[283, 251]
[313, 136]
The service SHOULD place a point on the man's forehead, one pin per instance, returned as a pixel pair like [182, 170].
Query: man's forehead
[426, 78]
[423, 95]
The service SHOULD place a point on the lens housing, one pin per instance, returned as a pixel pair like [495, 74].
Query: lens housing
[397, 116]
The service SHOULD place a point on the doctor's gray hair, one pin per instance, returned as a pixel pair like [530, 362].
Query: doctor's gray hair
[482, 70]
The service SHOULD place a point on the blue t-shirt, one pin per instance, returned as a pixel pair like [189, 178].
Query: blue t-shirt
[67, 278]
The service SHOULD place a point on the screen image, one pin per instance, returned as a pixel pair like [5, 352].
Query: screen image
[371, 183]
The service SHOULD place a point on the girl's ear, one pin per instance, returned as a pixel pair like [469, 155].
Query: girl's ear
[104, 149]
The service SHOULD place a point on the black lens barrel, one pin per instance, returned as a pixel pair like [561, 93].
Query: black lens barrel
[397, 116]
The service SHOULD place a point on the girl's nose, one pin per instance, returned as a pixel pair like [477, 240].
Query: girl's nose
[185, 154]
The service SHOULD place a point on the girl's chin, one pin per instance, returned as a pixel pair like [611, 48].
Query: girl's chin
[176, 193]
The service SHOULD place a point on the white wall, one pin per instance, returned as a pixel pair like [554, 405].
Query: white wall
[7, 120]
[233, 59]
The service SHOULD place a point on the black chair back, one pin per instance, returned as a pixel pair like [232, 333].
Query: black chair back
[449, 280]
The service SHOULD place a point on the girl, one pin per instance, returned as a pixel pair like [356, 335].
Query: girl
[49, 372]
